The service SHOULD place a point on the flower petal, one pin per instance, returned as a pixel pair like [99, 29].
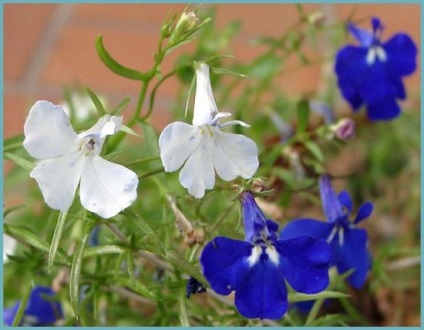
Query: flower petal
[234, 155]
[305, 262]
[106, 125]
[401, 55]
[48, 132]
[58, 179]
[198, 173]
[107, 188]
[345, 200]
[354, 254]
[364, 37]
[205, 108]
[262, 292]
[177, 142]
[351, 69]
[306, 227]
[254, 220]
[364, 212]
[223, 263]
[384, 109]
[330, 203]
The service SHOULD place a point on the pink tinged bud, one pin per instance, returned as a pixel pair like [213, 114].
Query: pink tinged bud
[344, 129]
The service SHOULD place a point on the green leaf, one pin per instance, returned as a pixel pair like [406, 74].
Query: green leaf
[22, 162]
[227, 72]
[185, 266]
[121, 106]
[302, 115]
[12, 143]
[136, 286]
[129, 131]
[75, 275]
[9, 210]
[27, 236]
[97, 103]
[114, 66]
[102, 250]
[296, 296]
[146, 229]
[190, 90]
[57, 234]
[315, 150]
[130, 266]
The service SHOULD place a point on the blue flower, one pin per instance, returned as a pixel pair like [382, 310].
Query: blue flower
[371, 73]
[349, 244]
[41, 309]
[257, 268]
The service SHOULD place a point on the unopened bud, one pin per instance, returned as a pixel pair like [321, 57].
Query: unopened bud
[317, 18]
[344, 129]
[187, 22]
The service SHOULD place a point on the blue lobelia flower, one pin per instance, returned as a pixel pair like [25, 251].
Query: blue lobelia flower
[371, 73]
[41, 309]
[257, 268]
[349, 244]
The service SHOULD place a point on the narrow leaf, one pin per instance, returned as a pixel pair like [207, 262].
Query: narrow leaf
[22, 306]
[57, 234]
[27, 236]
[97, 103]
[22, 162]
[101, 250]
[296, 297]
[190, 90]
[185, 266]
[114, 66]
[75, 275]
[135, 286]
[302, 115]
[121, 106]
[314, 150]
[9, 210]
[227, 72]
[129, 131]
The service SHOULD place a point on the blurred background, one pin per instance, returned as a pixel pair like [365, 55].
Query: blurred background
[49, 46]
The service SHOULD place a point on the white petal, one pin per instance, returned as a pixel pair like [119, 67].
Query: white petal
[107, 188]
[205, 108]
[198, 173]
[107, 125]
[9, 247]
[48, 132]
[177, 142]
[58, 179]
[234, 155]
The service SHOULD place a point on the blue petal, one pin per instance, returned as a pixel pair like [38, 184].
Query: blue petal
[354, 255]
[306, 227]
[254, 219]
[364, 37]
[401, 55]
[385, 109]
[345, 200]
[351, 69]
[305, 262]
[376, 25]
[262, 293]
[364, 212]
[223, 263]
[330, 202]
[9, 314]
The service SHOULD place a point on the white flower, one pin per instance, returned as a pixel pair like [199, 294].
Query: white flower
[9, 247]
[67, 158]
[203, 148]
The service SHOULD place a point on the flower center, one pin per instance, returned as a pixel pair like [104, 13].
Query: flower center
[376, 52]
[337, 230]
[88, 145]
[263, 253]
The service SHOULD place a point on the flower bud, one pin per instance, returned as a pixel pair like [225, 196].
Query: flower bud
[187, 22]
[317, 18]
[344, 129]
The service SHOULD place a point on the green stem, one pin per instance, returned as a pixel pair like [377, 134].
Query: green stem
[20, 313]
[314, 312]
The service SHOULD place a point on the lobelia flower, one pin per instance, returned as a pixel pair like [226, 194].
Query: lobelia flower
[371, 73]
[257, 268]
[203, 148]
[41, 309]
[349, 244]
[67, 159]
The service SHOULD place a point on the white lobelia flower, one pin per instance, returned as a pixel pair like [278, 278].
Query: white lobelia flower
[203, 148]
[67, 159]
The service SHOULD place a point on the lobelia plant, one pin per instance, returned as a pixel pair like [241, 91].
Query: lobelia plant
[147, 247]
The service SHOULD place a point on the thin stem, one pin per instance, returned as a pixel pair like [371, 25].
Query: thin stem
[20, 313]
